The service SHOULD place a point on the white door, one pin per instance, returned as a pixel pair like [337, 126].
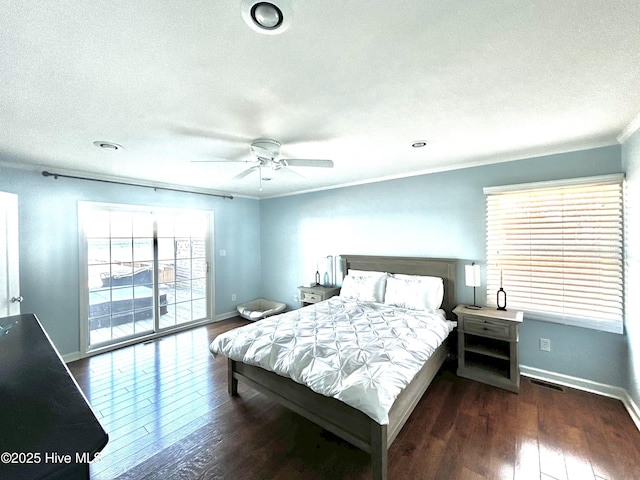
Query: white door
[9, 262]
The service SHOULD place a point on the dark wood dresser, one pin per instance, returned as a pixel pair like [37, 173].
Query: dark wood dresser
[47, 428]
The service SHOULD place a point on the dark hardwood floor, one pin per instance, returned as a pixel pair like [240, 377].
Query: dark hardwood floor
[166, 409]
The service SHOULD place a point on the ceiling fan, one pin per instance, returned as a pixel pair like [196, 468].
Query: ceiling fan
[266, 155]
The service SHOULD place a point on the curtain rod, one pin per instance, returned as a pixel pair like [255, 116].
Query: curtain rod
[56, 175]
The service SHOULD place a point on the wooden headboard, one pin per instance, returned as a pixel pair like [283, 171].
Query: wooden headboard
[444, 268]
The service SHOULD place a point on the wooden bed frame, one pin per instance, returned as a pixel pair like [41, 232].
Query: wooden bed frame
[339, 418]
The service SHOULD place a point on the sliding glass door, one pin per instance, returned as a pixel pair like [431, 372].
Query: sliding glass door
[120, 272]
[182, 266]
[146, 271]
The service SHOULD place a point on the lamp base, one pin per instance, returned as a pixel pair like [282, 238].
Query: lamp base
[501, 300]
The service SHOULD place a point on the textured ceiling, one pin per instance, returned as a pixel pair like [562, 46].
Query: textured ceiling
[354, 81]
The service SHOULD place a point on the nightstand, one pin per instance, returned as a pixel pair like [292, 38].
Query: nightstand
[488, 346]
[315, 294]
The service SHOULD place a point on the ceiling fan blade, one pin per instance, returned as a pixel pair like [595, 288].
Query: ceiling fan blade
[307, 162]
[288, 172]
[246, 172]
[305, 137]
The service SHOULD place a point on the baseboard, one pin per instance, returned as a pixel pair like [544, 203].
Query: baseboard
[587, 386]
[71, 357]
[633, 409]
[225, 316]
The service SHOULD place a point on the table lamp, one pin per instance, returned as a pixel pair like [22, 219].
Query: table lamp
[472, 279]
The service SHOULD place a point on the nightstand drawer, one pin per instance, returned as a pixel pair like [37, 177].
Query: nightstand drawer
[311, 297]
[315, 294]
[487, 328]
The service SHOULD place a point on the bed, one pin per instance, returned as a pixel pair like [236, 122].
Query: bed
[375, 430]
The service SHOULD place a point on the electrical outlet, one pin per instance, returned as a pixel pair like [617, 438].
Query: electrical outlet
[233, 297]
[223, 253]
[545, 344]
[295, 298]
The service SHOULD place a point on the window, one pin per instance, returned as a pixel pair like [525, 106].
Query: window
[557, 249]
[146, 271]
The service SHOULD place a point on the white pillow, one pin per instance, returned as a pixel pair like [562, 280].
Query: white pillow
[366, 273]
[380, 284]
[416, 292]
[367, 288]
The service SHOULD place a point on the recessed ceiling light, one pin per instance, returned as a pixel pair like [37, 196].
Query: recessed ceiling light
[266, 15]
[108, 145]
[419, 144]
[270, 18]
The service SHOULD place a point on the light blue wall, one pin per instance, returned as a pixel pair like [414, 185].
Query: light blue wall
[436, 215]
[49, 266]
[272, 245]
[631, 163]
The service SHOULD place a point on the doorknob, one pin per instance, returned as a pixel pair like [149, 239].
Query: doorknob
[17, 299]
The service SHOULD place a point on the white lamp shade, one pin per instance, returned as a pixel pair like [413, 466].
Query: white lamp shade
[472, 275]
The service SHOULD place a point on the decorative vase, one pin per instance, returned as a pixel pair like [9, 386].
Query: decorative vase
[501, 299]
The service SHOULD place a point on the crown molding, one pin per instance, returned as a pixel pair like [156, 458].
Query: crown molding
[629, 130]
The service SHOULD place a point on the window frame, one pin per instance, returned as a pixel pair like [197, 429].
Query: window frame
[614, 324]
[86, 208]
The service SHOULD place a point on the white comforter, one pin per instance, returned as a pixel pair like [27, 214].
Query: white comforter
[361, 353]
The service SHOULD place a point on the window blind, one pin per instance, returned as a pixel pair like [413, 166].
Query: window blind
[557, 250]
